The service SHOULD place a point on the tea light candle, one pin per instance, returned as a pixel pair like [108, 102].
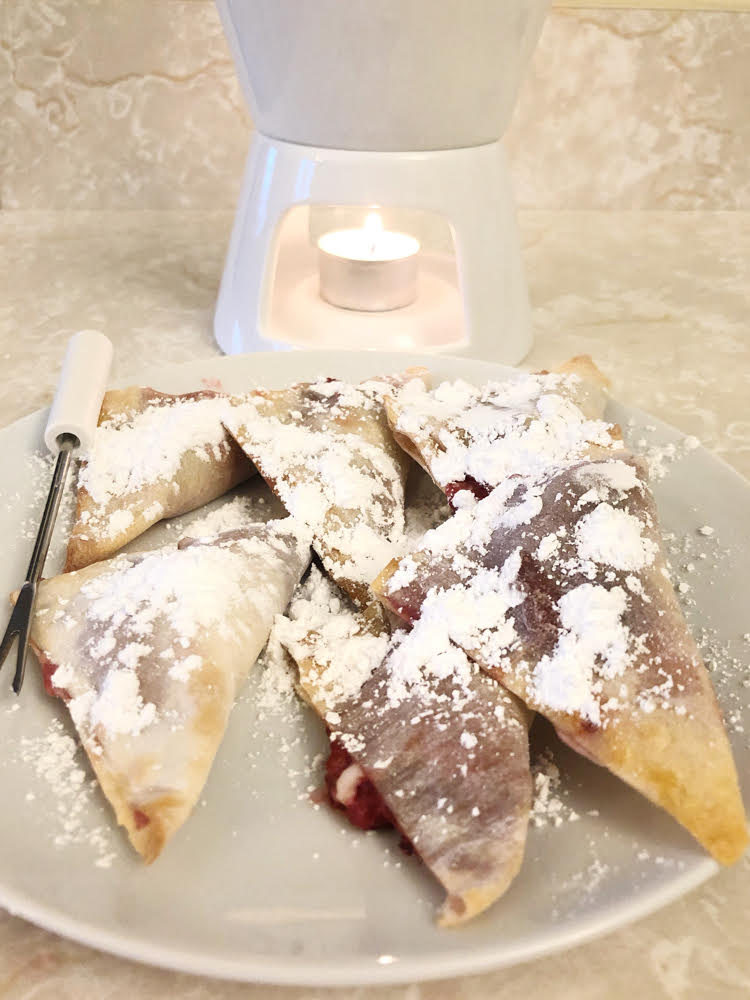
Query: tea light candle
[369, 269]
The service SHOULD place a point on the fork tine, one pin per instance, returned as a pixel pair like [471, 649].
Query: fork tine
[13, 629]
[19, 626]
[10, 633]
[23, 649]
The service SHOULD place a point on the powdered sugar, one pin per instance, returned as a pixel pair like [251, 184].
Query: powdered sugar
[149, 615]
[607, 476]
[65, 783]
[119, 521]
[153, 455]
[323, 624]
[182, 669]
[419, 659]
[658, 456]
[403, 575]
[594, 643]
[119, 706]
[134, 449]
[326, 450]
[590, 583]
[517, 501]
[234, 515]
[614, 538]
[549, 806]
[476, 615]
[149, 587]
[549, 548]
[529, 423]
[549, 545]
[435, 737]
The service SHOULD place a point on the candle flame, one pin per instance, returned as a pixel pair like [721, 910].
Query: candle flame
[373, 228]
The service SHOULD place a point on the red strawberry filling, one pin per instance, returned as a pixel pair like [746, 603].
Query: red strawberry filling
[351, 790]
[480, 490]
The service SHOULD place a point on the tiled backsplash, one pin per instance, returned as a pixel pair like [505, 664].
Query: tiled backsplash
[111, 105]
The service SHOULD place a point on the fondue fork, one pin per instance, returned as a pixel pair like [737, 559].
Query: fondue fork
[71, 425]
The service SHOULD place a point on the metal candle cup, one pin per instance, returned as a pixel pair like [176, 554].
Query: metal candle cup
[368, 269]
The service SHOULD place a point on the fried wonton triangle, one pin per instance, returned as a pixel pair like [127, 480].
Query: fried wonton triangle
[149, 650]
[470, 438]
[558, 587]
[154, 456]
[445, 747]
[326, 450]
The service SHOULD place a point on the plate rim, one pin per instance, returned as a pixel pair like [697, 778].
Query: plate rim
[359, 971]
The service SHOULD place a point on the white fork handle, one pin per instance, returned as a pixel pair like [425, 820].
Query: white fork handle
[80, 389]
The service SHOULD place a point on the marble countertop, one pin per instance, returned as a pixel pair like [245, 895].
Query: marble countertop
[658, 298]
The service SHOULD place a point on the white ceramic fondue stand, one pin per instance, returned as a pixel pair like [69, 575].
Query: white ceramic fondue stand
[381, 103]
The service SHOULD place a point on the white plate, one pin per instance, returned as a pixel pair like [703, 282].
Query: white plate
[259, 885]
